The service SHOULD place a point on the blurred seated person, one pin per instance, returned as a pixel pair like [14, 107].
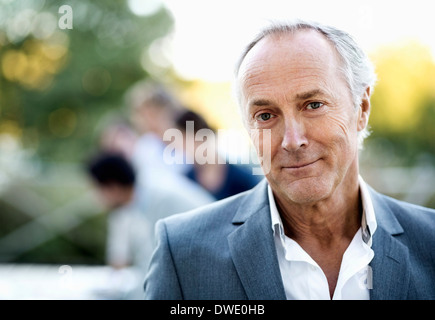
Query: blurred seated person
[221, 179]
[135, 208]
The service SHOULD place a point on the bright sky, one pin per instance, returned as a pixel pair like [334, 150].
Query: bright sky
[209, 35]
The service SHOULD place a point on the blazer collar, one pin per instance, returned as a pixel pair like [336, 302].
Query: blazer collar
[390, 266]
[253, 250]
[384, 215]
[256, 200]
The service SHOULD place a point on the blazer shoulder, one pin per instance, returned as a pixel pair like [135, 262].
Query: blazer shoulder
[412, 212]
[216, 220]
[415, 220]
[210, 216]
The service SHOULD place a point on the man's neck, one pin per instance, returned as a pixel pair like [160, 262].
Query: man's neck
[326, 221]
[326, 228]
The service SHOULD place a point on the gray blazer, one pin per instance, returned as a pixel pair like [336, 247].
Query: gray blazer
[226, 251]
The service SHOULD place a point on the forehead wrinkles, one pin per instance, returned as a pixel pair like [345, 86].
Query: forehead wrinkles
[276, 56]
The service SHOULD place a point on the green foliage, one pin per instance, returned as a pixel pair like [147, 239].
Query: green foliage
[55, 86]
[85, 244]
[403, 103]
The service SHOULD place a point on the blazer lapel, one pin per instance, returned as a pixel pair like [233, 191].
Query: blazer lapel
[253, 250]
[390, 265]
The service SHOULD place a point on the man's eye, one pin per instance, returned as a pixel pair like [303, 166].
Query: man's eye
[314, 105]
[264, 116]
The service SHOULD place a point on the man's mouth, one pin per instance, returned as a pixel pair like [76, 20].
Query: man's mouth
[301, 165]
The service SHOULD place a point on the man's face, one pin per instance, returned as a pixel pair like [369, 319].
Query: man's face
[292, 85]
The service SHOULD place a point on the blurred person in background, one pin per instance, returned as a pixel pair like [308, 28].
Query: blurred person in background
[116, 185]
[152, 111]
[219, 178]
[119, 137]
[134, 207]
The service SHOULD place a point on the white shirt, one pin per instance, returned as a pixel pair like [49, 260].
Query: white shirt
[303, 279]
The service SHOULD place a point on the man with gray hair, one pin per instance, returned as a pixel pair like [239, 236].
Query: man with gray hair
[313, 229]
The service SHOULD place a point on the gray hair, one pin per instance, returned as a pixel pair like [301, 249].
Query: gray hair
[356, 67]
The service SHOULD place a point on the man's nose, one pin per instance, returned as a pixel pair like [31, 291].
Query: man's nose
[294, 135]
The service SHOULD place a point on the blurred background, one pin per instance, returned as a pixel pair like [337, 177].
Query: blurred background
[61, 89]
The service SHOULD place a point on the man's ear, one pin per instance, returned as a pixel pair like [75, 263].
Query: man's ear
[364, 110]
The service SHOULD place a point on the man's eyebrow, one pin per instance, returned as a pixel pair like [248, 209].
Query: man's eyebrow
[260, 102]
[300, 96]
[309, 94]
